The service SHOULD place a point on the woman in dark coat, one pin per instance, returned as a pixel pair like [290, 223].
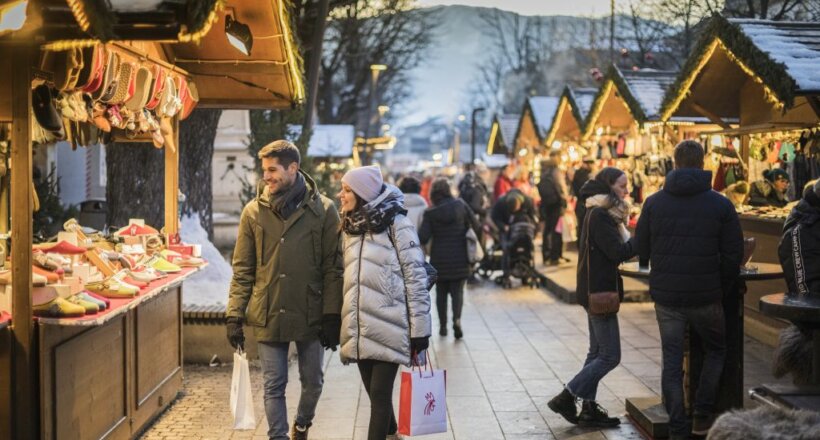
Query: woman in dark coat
[603, 245]
[446, 223]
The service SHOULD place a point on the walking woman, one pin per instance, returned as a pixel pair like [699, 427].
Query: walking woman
[604, 244]
[386, 310]
[446, 223]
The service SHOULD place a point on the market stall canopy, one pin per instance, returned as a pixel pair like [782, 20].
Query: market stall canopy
[757, 71]
[570, 118]
[332, 141]
[269, 77]
[535, 120]
[502, 133]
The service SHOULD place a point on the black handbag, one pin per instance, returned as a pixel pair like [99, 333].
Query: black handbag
[600, 303]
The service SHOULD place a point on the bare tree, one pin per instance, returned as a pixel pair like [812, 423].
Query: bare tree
[770, 9]
[641, 35]
[389, 32]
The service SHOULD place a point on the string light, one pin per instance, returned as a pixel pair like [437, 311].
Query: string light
[556, 121]
[597, 106]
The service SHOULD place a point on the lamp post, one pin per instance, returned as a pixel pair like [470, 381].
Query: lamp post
[472, 134]
[375, 69]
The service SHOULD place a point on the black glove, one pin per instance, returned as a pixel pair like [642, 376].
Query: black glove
[417, 345]
[331, 327]
[236, 335]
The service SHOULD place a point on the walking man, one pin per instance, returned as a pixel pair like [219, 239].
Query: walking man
[287, 283]
[692, 237]
[553, 204]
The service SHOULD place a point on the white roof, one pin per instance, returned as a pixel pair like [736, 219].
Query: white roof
[508, 124]
[583, 99]
[328, 140]
[797, 45]
[543, 110]
[649, 88]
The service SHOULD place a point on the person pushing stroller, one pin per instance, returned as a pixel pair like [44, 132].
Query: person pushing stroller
[513, 207]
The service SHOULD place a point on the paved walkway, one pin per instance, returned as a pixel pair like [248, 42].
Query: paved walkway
[520, 346]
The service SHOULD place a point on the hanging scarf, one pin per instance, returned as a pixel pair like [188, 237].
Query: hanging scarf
[377, 215]
[616, 208]
[285, 202]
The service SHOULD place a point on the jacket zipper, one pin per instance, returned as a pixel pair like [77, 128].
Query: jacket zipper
[358, 300]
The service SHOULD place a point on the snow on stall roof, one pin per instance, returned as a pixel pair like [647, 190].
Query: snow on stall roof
[583, 98]
[649, 87]
[543, 110]
[208, 287]
[797, 45]
[508, 124]
[328, 140]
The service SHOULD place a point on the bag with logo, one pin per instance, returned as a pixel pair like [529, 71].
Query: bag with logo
[422, 401]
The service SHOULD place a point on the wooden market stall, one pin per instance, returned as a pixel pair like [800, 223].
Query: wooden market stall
[107, 374]
[502, 134]
[763, 75]
[531, 134]
[569, 121]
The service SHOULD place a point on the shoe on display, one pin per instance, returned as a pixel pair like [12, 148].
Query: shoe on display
[112, 288]
[594, 415]
[161, 264]
[89, 307]
[135, 230]
[51, 277]
[132, 249]
[58, 308]
[182, 260]
[101, 305]
[100, 298]
[123, 277]
[65, 248]
[142, 276]
[40, 259]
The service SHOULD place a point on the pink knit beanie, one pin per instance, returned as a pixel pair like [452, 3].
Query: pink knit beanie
[366, 182]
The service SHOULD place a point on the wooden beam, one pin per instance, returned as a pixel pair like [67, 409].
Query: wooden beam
[715, 119]
[172, 184]
[25, 418]
[234, 67]
[814, 102]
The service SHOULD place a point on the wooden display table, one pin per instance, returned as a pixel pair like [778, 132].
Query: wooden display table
[649, 413]
[105, 376]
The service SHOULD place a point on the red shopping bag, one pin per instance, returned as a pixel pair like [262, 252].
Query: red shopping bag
[422, 401]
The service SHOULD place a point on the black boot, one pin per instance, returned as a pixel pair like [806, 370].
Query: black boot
[564, 404]
[594, 416]
[442, 329]
[299, 432]
[457, 329]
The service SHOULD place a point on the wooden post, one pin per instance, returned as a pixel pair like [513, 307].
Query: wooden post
[172, 184]
[25, 417]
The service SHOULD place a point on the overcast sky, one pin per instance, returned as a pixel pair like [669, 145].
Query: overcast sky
[535, 7]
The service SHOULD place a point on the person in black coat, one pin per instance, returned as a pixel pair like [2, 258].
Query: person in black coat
[582, 176]
[771, 190]
[446, 223]
[604, 244]
[799, 249]
[553, 204]
[691, 235]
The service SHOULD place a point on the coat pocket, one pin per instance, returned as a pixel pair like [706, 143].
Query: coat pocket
[259, 243]
[314, 305]
[257, 314]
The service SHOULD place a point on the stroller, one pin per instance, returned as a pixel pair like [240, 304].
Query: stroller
[518, 250]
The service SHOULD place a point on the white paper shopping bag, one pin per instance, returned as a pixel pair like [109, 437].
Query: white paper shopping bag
[241, 396]
[422, 403]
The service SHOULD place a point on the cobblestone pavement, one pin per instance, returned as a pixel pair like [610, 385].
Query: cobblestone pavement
[520, 346]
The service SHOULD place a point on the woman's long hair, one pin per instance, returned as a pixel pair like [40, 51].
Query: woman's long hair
[609, 176]
[440, 190]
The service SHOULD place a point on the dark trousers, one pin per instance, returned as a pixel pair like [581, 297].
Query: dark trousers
[378, 378]
[552, 243]
[454, 288]
[708, 322]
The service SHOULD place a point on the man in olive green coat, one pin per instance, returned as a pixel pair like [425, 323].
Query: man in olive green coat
[287, 283]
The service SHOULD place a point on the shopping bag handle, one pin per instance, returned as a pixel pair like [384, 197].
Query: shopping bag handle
[427, 365]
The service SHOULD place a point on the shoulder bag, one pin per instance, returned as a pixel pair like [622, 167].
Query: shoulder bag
[475, 252]
[600, 303]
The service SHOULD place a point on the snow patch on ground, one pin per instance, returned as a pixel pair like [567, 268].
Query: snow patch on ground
[210, 286]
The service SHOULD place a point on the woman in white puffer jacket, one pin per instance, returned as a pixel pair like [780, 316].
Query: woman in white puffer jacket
[386, 311]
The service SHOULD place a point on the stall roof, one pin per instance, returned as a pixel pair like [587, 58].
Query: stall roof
[543, 109]
[327, 140]
[578, 101]
[781, 56]
[502, 133]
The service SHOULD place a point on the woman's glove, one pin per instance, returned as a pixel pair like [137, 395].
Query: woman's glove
[331, 327]
[417, 345]
[236, 335]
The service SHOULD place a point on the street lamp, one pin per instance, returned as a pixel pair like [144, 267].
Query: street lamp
[472, 135]
[374, 78]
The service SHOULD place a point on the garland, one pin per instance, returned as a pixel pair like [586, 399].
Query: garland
[778, 86]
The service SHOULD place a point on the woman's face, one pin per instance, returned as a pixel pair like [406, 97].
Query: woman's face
[619, 187]
[347, 198]
[781, 185]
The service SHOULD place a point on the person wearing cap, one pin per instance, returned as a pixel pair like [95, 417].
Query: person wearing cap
[771, 190]
[287, 283]
[386, 318]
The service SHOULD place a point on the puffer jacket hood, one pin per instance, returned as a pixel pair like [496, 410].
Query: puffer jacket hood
[386, 301]
[593, 188]
[415, 205]
[687, 182]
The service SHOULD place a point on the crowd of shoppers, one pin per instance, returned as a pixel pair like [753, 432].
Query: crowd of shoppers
[363, 284]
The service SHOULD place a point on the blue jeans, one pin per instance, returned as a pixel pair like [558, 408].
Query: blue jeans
[603, 356]
[274, 358]
[708, 322]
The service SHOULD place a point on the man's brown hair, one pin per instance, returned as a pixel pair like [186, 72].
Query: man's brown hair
[284, 151]
[689, 154]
